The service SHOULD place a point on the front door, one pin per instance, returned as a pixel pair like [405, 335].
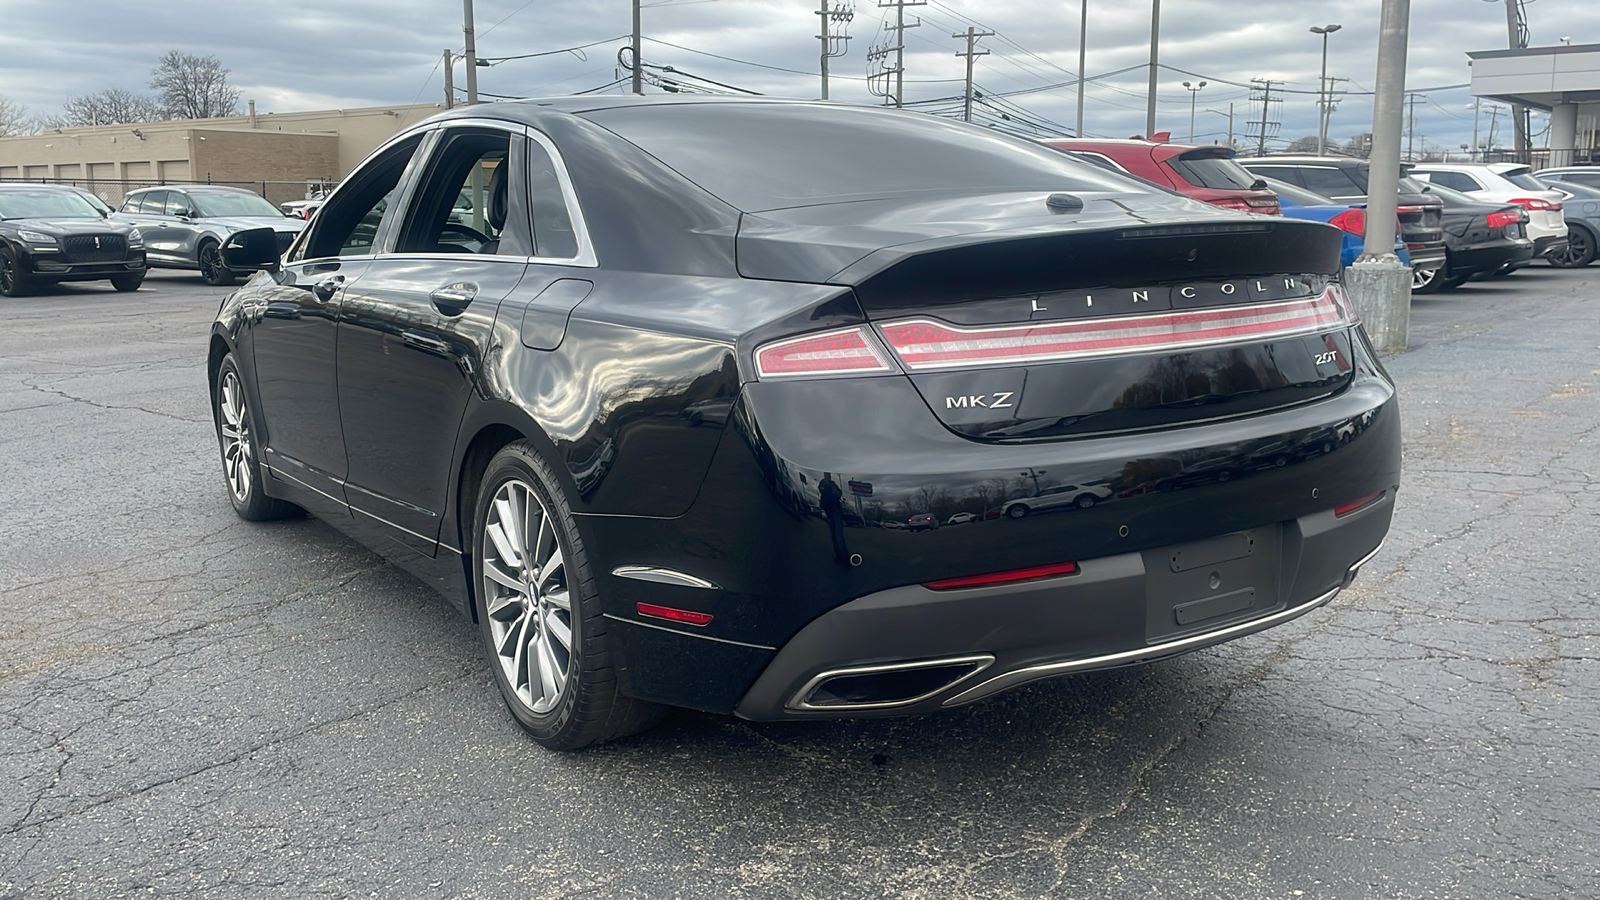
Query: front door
[413, 331]
[294, 332]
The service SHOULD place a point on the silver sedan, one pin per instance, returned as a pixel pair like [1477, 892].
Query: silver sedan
[184, 226]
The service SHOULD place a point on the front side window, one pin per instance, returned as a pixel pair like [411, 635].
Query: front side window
[348, 224]
[463, 201]
[177, 204]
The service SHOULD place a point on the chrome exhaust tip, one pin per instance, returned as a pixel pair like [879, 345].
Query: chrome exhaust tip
[886, 686]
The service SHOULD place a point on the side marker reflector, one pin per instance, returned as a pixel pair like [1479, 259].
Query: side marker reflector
[1353, 506]
[688, 617]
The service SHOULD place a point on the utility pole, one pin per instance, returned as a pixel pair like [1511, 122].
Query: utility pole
[472, 52]
[1230, 124]
[971, 56]
[1472, 154]
[1155, 43]
[833, 45]
[1517, 32]
[1083, 52]
[1411, 123]
[898, 48]
[638, 63]
[449, 78]
[1264, 86]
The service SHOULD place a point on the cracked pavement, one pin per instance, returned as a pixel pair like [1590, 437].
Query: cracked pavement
[195, 705]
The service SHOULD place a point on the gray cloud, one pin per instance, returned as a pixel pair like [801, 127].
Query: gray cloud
[296, 54]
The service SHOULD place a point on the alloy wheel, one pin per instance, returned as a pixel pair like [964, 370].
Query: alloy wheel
[526, 597]
[1579, 250]
[237, 455]
[211, 266]
[1423, 278]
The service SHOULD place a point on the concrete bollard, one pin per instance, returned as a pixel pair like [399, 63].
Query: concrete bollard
[1381, 291]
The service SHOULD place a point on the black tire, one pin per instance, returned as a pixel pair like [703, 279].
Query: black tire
[1580, 250]
[209, 255]
[13, 281]
[1017, 511]
[1084, 501]
[1427, 281]
[236, 437]
[586, 708]
[128, 282]
[1453, 282]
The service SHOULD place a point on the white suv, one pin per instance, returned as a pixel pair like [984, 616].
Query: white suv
[1507, 183]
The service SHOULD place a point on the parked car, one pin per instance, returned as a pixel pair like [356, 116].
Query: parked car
[1345, 180]
[1351, 219]
[52, 233]
[184, 226]
[1581, 208]
[1202, 171]
[1588, 176]
[1082, 496]
[1481, 239]
[874, 325]
[1507, 183]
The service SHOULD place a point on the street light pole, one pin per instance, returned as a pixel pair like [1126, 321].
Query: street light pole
[1083, 50]
[1194, 94]
[1323, 94]
[1155, 43]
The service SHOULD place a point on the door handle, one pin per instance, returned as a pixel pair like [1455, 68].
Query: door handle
[452, 299]
[327, 287]
[426, 343]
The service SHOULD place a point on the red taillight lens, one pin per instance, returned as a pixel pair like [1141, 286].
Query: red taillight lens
[927, 344]
[846, 351]
[1232, 203]
[1352, 221]
[688, 617]
[1015, 575]
[1353, 506]
[1502, 219]
[1534, 204]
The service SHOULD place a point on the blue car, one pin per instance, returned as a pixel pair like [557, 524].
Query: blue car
[1299, 203]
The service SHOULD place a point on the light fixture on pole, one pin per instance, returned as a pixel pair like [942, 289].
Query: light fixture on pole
[1194, 93]
[1324, 97]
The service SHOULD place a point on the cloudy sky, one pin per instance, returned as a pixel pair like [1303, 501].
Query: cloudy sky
[314, 54]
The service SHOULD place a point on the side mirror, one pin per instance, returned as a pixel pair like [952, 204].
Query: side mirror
[254, 248]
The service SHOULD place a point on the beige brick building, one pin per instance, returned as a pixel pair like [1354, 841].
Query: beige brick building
[279, 155]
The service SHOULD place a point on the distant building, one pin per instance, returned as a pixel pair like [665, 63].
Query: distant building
[1564, 80]
[280, 155]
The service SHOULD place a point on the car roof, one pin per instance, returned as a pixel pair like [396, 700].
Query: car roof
[1301, 160]
[214, 188]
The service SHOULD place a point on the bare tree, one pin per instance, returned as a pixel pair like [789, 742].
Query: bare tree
[193, 87]
[14, 118]
[112, 106]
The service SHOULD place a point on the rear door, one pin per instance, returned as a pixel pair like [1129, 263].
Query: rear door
[413, 331]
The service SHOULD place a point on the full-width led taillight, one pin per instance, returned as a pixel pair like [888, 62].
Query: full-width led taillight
[1502, 219]
[1534, 204]
[927, 344]
[842, 352]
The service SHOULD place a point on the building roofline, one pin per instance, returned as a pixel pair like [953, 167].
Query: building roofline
[1534, 51]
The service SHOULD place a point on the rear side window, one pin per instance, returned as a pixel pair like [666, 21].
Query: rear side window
[1461, 181]
[1331, 182]
[1286, 174]
[553, 234]
[759, 156]
[1204, 169]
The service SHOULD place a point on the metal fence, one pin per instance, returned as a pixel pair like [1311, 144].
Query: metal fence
[112, 190]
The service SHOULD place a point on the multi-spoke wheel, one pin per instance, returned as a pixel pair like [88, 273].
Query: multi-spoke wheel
[13, 281]
[526, 599]
[212, 268]
[538, 612]
[237, 439]
[1579, 252]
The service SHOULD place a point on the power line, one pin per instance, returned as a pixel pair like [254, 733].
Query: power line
[496, 60]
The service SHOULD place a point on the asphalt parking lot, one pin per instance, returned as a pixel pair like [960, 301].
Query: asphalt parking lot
[195, 705]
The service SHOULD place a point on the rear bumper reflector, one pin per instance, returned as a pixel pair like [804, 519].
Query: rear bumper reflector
[924, 344]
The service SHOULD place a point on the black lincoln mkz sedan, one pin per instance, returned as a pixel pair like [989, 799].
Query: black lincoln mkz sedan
[50, 233]
[657, 412]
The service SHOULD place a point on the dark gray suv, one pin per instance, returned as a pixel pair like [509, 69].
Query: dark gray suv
[184, 226]
[1345, 180]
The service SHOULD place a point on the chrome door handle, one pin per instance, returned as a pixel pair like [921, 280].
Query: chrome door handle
[327, 287]
[452, 299]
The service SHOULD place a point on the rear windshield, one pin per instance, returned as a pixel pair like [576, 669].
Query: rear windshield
[1527, 182]
[1213, 172]
[768, 156]
[1299, 195]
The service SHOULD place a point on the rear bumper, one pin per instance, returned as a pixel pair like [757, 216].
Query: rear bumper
[1544, 246]
[1116, 611]
[1490, 257]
